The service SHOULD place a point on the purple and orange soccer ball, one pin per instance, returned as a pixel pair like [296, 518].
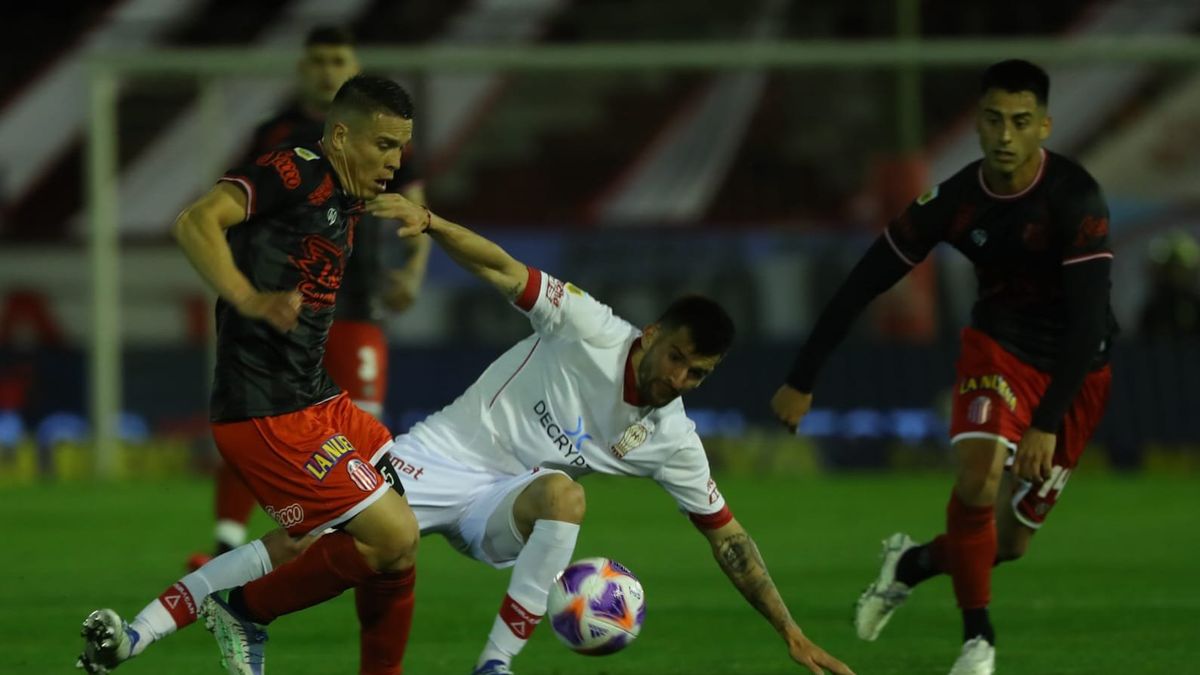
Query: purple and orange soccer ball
[596, 606]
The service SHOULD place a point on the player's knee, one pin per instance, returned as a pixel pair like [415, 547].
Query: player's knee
[282, 547]
[977, 488]
[562, 499]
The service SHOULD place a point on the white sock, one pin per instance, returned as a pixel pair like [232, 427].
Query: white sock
[177, 606]
[545, 554]
[230, 533]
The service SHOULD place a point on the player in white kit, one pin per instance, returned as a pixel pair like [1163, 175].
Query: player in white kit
[495, 471]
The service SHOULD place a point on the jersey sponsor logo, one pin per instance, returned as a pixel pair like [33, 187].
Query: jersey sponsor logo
[554, 291]
[284, 166]
[928, 196]
[305, 154]
[979, 237]
[321, 268]
[1034, 236]
[287, 516]
[634, 436]
[566, 441]
[331, 452]
[995, 383]
[392, 466]
[362, 474]
[322, 193]
[980, 410]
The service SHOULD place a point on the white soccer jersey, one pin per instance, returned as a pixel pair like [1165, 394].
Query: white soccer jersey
[565, 398]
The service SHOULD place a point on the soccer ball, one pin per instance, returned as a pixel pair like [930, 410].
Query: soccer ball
[596, 606]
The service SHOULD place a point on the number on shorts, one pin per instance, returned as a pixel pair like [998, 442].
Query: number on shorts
[1056, 482]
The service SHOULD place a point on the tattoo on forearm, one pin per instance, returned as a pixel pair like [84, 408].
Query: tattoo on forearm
[741, 561]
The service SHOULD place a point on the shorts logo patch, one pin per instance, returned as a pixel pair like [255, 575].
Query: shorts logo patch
[980, 410]
[328, 456]
[287, 516]
[362, 475]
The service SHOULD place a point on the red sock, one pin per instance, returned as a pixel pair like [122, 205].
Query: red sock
[970, 549]
[331, 565]
[385, 606]
[233, 499]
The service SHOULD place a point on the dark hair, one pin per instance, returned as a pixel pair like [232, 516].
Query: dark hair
[329, 35]
[367, 94]
[1014, 76]
[710, 327]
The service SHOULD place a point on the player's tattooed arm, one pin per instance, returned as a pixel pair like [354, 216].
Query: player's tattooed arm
[739, 558]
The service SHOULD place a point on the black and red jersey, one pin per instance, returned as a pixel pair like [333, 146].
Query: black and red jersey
[298, 234]
[1019, 245]
[360, 298]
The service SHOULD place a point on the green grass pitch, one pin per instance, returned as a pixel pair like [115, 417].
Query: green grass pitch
[1109, 586]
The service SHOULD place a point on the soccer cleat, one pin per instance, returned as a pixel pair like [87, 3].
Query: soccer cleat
[108, 642]
[240, 640]
[492, 667]
[876, 604]
[978, 657]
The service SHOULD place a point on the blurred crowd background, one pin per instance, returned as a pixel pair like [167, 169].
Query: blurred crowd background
[759, 187]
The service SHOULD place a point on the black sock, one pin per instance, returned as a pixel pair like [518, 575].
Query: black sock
[976, 623]
[237, 602]
[221, 548]
[915, 566]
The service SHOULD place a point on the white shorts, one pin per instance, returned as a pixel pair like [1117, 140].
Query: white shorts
[470, 507]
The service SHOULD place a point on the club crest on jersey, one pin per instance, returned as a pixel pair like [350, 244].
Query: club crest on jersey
[328, 456]
[979, 237]
[634, 436]
[928, 196]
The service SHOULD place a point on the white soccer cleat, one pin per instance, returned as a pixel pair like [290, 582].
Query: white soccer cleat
[876, 604]
[978, 657]
[107, 642]
[239, 639]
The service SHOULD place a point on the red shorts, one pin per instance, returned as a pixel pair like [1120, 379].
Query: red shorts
[311, 469]
[995, 397]
[356, 358]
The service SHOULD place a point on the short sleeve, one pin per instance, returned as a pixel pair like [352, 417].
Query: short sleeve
[564, 310]
[686, 477]
[914, 233]
[1083, 219]
[275, 180]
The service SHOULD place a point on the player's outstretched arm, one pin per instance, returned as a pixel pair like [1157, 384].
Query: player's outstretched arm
[740, 560]
[474, 253]
[200, 231]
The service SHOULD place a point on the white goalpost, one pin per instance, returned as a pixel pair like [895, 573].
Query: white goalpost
[904, 56]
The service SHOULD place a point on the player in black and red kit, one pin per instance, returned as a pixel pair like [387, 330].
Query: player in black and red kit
[1033, 374]
[272, 238]
[356, 352]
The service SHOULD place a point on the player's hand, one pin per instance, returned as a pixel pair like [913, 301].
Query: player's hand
[414, 218]
[808, 654]
[790, 405]
[1035, 455]
[281, 309]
